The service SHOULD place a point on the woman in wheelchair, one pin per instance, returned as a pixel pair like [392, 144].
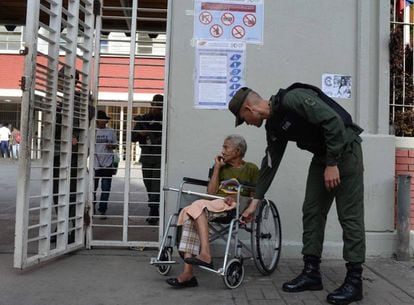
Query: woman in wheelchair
[229, 170]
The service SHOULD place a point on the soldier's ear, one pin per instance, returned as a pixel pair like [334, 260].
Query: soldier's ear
[249, 106]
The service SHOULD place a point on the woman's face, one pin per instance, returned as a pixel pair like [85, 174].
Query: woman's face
[229, 151]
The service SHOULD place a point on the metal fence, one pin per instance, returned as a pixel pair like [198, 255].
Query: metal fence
[401, 68]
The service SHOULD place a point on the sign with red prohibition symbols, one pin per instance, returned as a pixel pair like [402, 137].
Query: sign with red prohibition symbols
[229, 20]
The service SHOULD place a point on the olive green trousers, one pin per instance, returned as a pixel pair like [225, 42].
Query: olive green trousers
[349, 198]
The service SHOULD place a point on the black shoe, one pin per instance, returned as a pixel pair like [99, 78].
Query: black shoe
[351, 290]
[198, 262]
[176, 284]
[309, 279]
[303, 282]
[345, 294]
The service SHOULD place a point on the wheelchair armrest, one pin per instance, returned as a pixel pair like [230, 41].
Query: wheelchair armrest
[195, 181]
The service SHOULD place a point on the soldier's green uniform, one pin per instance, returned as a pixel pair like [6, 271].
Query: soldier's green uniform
[301, 116]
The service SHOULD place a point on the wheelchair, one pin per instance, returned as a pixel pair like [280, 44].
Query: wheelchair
[265, 235]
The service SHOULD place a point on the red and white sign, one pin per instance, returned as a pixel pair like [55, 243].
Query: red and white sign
[233, 20]
[227, 18]
[205, 18]
[238, 32]
[249, 20]
[216, 30]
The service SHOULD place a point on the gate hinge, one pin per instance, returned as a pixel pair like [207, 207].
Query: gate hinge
[22, 83]
[96, 7]
[24, 51]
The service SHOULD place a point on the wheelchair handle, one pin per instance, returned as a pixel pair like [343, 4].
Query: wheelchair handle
[195, 181]
[192, 193]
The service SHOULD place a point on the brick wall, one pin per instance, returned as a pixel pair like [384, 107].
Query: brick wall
[404, 165]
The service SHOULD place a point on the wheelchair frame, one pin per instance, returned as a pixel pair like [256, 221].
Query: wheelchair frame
[264, 237]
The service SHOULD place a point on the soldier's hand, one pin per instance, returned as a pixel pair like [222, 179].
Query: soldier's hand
[331, 176]
[247, 215]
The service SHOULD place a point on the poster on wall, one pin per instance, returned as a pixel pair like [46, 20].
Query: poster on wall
[336, 85]
[224, 20]
[219, 73]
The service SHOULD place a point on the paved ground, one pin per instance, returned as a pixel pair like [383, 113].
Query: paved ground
[123, 277]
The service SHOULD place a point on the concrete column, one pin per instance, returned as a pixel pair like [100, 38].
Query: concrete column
[403, 217]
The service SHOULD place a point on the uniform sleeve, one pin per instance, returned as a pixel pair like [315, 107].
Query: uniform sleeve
[255, 174]
[315, 111]
[270, 164]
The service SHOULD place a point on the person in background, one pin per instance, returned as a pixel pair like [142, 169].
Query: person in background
[15, 143]
[105, 143]
[148, 133]
[4, 141]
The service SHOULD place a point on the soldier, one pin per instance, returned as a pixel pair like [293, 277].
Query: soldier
[148, 132]
[305, 115]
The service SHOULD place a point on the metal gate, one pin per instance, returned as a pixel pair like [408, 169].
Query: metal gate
[56, 199]
[52, 184]
[124, 219]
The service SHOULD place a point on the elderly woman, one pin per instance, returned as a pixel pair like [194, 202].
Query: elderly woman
[229, 170]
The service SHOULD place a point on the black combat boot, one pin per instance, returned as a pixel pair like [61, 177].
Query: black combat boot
[309, 279]
[351, 290]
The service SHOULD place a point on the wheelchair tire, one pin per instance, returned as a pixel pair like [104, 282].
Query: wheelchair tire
[234, 274]
[165, 256]
[266, 237]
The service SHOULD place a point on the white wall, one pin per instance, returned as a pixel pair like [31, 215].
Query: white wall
[302, 40]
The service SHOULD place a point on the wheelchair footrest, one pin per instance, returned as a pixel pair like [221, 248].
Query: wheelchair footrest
[156, 262]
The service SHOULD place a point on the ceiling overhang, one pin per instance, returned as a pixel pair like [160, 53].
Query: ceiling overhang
[152, 14]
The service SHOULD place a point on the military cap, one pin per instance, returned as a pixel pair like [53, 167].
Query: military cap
[236, 103]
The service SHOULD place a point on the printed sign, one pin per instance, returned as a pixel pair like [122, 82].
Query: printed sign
[335, 85]
[234, 20]
[219, 72]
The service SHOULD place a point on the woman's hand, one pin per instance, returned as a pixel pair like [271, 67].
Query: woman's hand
[219, 161]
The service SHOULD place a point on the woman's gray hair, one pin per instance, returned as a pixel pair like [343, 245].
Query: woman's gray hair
[239, 142]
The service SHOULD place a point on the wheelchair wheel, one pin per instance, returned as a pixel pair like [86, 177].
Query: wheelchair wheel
[266, 237]
[165, 256]
[234, 274]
